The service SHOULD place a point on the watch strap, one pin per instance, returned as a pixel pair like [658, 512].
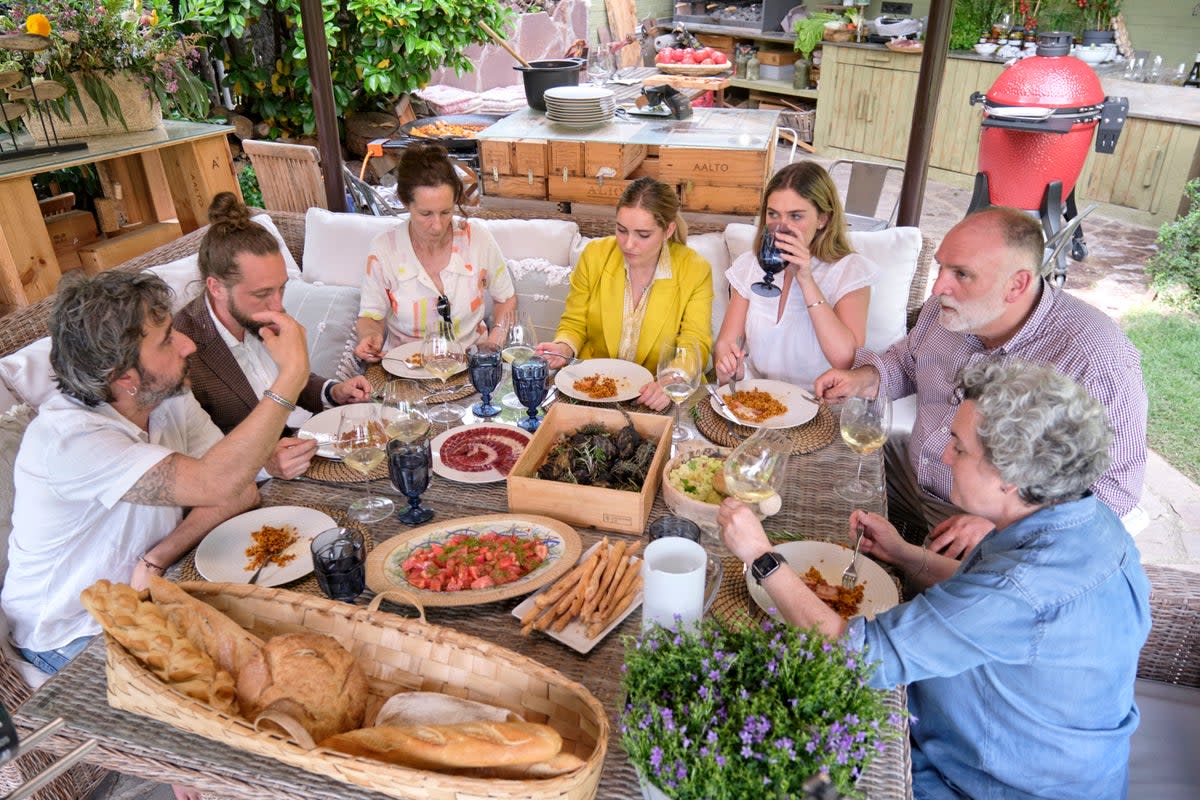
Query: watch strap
[765, 565]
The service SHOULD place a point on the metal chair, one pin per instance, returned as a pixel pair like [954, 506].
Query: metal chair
[864, 194]
[289, 175]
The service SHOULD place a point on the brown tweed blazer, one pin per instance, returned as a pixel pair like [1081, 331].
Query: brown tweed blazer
[217, 381]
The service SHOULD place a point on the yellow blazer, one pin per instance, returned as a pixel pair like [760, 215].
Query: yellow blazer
[678, 309]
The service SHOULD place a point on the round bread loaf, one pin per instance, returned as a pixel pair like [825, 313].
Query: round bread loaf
[309, 677]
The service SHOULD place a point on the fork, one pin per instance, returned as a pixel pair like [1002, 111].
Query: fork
[850, 576]
[257, 572]
[738, 345]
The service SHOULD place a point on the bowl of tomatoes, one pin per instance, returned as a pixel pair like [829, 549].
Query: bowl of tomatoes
[689, 61]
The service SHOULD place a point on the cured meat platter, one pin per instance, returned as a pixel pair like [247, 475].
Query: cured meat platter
[482, 453]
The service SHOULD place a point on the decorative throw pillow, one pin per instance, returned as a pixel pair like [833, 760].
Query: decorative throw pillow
[712, 247]
[336, 245]
[27, 372]
[542, 288]
[549, 239]
[183, 276]
[327, 314]
[293, 269]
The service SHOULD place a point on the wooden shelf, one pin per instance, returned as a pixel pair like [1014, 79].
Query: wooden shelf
[774, 87]
[742, 33]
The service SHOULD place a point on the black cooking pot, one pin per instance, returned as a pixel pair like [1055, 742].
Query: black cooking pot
[542, 75]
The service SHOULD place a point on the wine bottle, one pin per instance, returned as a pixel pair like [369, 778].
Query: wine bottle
[1193, 78]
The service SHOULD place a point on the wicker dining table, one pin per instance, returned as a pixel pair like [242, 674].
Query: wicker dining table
[144, 747]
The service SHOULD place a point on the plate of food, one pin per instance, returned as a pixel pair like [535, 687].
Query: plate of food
[406, 361]
[618, 593]
[821, 564]
[324, 428]
[762, 403]
[463, 562]
[482, 453]
[602, 380]
[278, 536]
[693, 486]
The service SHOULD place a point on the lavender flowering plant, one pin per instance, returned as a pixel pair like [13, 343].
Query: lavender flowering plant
[753, 711]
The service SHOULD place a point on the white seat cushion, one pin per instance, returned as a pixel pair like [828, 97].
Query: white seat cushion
[336, 245]
[327, 314]
[183, 276]
[27, 372]
[712, 247]
[554, 240]
[289, 261]
[1162, 754]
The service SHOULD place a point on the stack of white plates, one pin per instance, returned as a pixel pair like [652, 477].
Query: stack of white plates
[580, 106]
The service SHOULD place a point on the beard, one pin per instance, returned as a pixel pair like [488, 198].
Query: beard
[250, 325]
[157, 387]
[968, 317]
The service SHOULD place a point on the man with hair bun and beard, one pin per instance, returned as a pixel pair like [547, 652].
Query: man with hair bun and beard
[991, 302]
[243, 272]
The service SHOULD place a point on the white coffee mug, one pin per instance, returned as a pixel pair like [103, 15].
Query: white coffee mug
[673, 570]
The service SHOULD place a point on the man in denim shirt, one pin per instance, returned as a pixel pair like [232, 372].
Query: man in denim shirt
[1020, 662]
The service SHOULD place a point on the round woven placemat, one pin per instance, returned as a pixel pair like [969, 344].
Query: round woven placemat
[807, 438]
[733, 605]
[460, 383]
[308, 584]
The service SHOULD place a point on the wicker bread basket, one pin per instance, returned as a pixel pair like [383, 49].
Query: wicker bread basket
[397, 654]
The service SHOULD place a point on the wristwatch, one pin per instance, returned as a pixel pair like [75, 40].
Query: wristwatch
[765, 565]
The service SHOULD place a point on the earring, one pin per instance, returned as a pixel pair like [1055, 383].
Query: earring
[133, 391]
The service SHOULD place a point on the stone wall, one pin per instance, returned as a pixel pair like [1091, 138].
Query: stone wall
[538, 36]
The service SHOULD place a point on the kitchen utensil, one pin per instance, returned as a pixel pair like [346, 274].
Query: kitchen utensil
[500, 40]
[850, 576]
[542, 75]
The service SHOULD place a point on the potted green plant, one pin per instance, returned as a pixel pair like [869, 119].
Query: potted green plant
[1098, 18]
[119, 61]
[810, 30]
[748, 711]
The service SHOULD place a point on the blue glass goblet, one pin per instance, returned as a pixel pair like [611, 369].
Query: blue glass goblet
[771, 261]
[529, 382]
[409, 465]
[485, 368]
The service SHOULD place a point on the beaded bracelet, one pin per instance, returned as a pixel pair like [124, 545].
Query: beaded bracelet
[278, 398]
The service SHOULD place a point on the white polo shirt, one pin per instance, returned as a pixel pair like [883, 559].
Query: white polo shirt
[70, 526]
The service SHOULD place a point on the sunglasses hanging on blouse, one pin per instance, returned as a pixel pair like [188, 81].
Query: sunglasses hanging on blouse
[443, 308]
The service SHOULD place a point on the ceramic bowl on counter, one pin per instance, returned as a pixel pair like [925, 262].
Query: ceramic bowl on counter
[986, 48]
[1091, 54]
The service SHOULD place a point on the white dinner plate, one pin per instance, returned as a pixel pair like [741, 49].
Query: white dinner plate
[630, 378]
[324, 428]
[879, 590]
[490, 474]
[221, 556]
[393, 362]
[580, 93]
[799, 410]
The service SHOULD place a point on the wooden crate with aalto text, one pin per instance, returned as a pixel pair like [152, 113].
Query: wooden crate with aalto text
[581, 189]
[711, 166]
[592, 506]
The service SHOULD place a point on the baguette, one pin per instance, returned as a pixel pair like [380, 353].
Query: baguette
[226, 642]
[561, 764]
[461, 746]
[427, 708]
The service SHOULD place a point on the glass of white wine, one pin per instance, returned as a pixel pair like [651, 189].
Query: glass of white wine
[678, 374]
[754, 471]
[520, 338]
[443, 357]
[360, 443]
[404, 416]
[865, 425]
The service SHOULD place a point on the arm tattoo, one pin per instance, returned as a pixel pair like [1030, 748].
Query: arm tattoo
[157, 486]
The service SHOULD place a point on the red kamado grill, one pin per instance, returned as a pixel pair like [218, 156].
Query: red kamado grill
[1038, 121]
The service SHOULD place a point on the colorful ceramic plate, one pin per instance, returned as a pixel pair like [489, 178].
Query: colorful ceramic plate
[630, 378]
[879, 590]
[385, 570]
[221, 556]
[799, 410]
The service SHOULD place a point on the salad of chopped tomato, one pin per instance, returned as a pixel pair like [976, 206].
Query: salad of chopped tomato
[470, 560]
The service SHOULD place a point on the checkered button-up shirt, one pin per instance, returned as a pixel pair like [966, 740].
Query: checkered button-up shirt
[1063, 331]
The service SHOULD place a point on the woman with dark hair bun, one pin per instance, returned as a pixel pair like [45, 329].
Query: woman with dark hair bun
[433, 267]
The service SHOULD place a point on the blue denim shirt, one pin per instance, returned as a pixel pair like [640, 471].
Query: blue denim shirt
[1020, 666]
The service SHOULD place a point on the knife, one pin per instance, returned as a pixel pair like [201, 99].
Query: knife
[713, 391]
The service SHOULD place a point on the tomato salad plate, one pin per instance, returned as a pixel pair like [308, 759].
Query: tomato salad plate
[473, 560]
[483, 453]
[602, 380]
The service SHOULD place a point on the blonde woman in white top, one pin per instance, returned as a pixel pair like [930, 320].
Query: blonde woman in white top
[432, 267]
[820, 318]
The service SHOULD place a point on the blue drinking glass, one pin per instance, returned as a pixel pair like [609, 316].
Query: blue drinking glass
[529, 382]
[485, 368]
[771, 261]
[409, 465]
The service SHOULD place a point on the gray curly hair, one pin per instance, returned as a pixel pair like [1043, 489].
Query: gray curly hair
[1044, 433]
[97, 327]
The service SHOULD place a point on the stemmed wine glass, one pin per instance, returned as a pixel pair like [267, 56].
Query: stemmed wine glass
[529, 381]
[678, 374]
[409, 465]
[600, 65]
[771, 261]
[404, 417]
[360, 443]
[485, 370]
[755, 469]
[519, 341]
[443, 357]
[865, 425]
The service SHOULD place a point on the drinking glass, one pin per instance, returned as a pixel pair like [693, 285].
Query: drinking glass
[1178, 75]
[519, 340]
[865, 425]
[1155, 72]
[771, 261]
[360, 443]
[755, 469]
[599, 65]
[409, 464]
[339, 561]
[404, 417]
[443, 357]
[671, 525]
[679, 369]
[529, 381]
[485, 370]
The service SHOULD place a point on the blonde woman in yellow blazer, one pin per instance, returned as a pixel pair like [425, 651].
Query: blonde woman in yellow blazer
[647, 268]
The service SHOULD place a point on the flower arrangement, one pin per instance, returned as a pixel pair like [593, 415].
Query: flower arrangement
[754, 711]
[96, 39]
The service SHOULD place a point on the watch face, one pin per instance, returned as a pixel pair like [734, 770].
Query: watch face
[765, 564]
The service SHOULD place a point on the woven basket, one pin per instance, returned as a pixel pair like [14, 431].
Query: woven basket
[139, 106]
[398, 655]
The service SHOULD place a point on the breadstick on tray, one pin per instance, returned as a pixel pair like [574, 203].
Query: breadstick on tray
[610, 595]
[556, 591]
[615, 557]
[633, 568]
[596, 628]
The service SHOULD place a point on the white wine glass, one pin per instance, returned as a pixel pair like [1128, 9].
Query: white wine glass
[678, 374]
[443, 357]
[755, 470]
[404, 415]
[865, 425]
[360, 443]
[520, 339]
[600, 65]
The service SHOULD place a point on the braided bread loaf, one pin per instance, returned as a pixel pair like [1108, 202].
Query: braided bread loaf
[142, 629]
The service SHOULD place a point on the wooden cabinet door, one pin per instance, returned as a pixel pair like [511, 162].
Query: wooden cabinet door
[1146, 172]
[888, 98]
[956, 128]
[840, 108]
